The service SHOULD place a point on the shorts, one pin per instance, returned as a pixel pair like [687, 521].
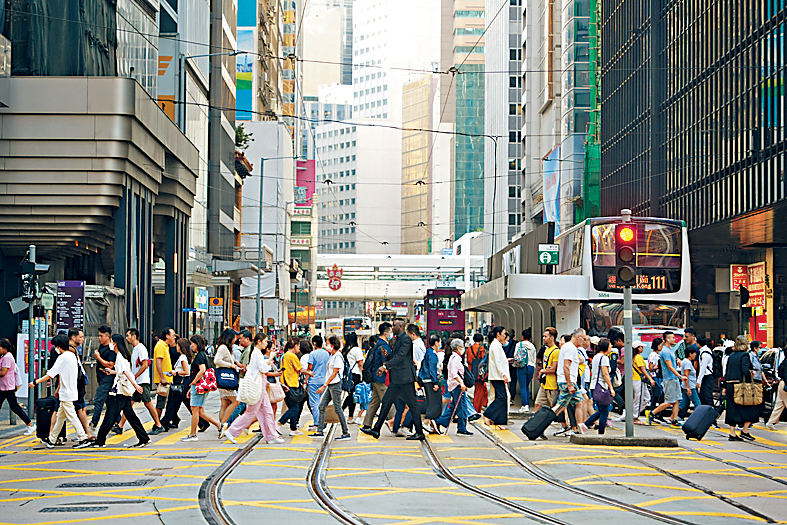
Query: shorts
[79, 404]
[672, 393]
[197, 400]
[224, 393]
[546, 398]
[565, 397]
[161, 401]
[144, 396]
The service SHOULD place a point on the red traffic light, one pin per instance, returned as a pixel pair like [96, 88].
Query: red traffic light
[626, 234]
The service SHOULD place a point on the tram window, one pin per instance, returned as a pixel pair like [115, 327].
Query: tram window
[446, 303]
[432, 301]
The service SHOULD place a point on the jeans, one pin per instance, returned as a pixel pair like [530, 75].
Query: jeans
[601, 415]
[13, 405]
[513, 374]
[314, 399]
[525, 377]
[292, 413]
[174, 400]
[239, 410]
[684, 403]
[658, 392]
[102, 391]
[461, 410]
[332, 393]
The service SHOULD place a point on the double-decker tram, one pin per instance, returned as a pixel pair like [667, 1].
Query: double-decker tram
[443, 310]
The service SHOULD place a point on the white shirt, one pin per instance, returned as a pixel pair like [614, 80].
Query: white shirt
[305, 361]
[353, 356]
[498, 363]
[336, 362]
[599, 360]
[531, 353]
[179, 365]
[66, 367]
[440, 358]
[122, 365]
[257, 364]
[653, 361]
[706, 364]
[568, 352]
[419, 351]
[138, 357]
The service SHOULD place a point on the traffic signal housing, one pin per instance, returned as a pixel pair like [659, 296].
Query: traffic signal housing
[625, 254]
[30, 272]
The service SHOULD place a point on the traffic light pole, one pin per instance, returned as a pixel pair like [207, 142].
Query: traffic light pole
[31, 350]
[628, 364]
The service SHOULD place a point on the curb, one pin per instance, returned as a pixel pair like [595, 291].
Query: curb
[663, 442]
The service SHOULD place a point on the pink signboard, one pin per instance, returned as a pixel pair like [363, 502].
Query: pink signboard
[305, 179]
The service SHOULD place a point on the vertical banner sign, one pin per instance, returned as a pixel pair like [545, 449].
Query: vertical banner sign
[70, 305]
[551, 174]
[739, 276]
[757, 301]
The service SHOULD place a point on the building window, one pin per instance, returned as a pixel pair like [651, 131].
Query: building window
[512, 109]
[512, 81]
[512, 219]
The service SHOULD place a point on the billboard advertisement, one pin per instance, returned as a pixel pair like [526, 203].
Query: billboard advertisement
[244, 75]
[551, 171]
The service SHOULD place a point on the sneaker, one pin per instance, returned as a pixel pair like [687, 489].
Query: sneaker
[569, 433]
[296, 433]
[230, 438]
[47, 443]
[621, 418]
[561, 432]
[358, 421]
[189, 438]
[343, 437]
[768, 425]
[83, 444]
[464, 433]
[474, 417]
[277, 441]
[747, 436]
[649, 416]
[583, 428]
[316, 435]
[117, 430]
[93, 444]
[734, 438]
[223, 429]
[156, 431]
[31, 430]
[139, 444]
[312, 428]
[403, 432]
[675, 424]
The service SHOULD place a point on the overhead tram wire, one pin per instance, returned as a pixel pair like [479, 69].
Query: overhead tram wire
[326, 62]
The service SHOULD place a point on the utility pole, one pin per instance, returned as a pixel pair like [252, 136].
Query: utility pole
[626, 276]
[31, 350]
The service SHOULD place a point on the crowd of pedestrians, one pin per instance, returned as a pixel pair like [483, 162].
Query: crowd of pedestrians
[395, 379]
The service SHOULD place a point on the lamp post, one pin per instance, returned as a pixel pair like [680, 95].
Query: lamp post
[259, 236]
[183, 59]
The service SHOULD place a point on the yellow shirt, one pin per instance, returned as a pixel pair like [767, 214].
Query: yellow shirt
[639, 363]
[161, 350]
[290, 364]
[551, 354]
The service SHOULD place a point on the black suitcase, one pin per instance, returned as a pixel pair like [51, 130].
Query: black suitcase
[45, 407]
[536, 425]
[699, 421]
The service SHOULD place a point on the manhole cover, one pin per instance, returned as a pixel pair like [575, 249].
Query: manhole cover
[137, 483]
[73, 509]
[180, 457]
[113, 502]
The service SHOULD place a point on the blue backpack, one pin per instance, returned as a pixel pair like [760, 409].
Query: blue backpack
[362, 394]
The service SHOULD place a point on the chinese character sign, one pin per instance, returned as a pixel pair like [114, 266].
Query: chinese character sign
[335, 278]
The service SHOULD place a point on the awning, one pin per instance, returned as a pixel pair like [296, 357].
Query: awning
[236, 269]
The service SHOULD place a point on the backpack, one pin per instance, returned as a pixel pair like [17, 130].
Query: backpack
[477, 355]
[717, 367]
[347, 378]
[483, 370]
[362, 393]
[468, 377]
[520, 355]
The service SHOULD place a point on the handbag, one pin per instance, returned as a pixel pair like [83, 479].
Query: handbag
[601, 395]
[124, 386]
[275, 392]
[227, 378]
[162, 389]
[176, 389]
[250, 389]
[207, 382]
[296, 394]
[747, 394]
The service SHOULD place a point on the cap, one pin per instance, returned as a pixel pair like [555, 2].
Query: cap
[594, 339]
[637, 344]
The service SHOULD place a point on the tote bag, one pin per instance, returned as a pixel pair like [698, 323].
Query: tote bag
[250, 389]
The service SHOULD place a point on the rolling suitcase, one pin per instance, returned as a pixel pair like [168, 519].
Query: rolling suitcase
[536, 425]
[700, 421]
[45, 407]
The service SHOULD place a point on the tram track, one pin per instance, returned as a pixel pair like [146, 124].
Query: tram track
[546, 478]
[210, 491]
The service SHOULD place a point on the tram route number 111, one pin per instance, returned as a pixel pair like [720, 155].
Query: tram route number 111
[644, 282]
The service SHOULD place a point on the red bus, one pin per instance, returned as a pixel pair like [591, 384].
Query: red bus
[444, 313]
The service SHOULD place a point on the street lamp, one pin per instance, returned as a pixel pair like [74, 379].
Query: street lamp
[183, 59]
[259, 236]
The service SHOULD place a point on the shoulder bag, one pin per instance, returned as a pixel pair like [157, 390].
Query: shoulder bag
[125, 388]
[275, 392]
[207, 382]
[747, 393]
[250, 389]
[227, 378]
[163, 389]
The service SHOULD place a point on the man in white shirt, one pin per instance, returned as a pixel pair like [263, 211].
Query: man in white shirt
[568, 360]
[140, 367]
[67, 368]
[419, 348]
[705, 378]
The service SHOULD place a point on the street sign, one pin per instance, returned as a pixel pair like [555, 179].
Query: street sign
[70, 305]
[548, 253]
[48, 300]
[216, 310]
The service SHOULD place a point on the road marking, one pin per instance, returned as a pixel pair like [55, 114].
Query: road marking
[127, 434]
[116, 517]
[440, 438]
[302, 440]
[506, 436]
[173, 437]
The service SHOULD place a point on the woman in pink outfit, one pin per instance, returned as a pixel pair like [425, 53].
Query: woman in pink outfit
[262, 411]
